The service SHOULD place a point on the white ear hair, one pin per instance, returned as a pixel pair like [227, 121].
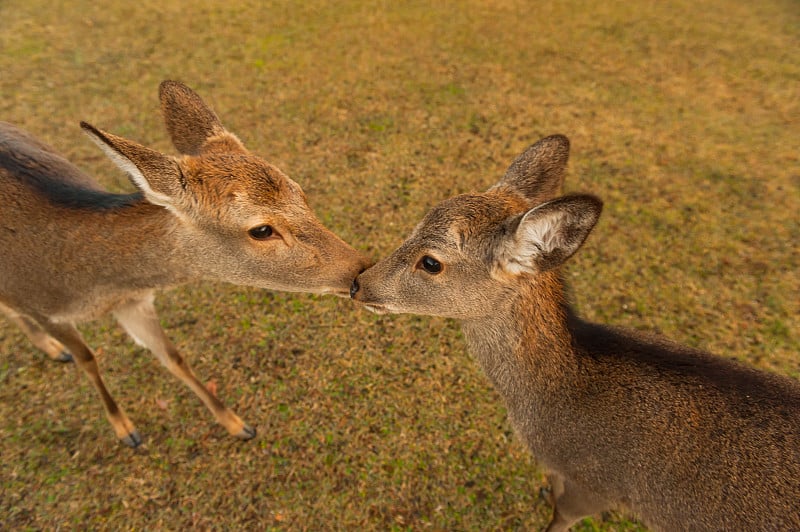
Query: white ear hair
[533, 239]
[133, 172]
[548, 235]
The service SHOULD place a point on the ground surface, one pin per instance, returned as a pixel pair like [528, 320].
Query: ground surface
[684, 117]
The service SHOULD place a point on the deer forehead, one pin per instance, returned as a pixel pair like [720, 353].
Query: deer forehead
[469, 218]
[218, 178]
[242, 190]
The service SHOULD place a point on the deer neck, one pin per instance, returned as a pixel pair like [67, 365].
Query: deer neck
[525, 346]
[140, 247]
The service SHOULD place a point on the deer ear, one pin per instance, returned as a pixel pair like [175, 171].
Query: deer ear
[549, 234]
[156, 175]
[193, 127]
[538, 173]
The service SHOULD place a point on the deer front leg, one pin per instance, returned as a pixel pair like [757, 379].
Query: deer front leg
[140, 321]
[570, 503]
[84, 358]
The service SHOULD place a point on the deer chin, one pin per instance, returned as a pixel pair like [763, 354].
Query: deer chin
[381, 309]
[320, 291]
[344, 294]
[328, 291]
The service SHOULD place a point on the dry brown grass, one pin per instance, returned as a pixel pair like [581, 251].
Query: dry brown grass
[684, 117]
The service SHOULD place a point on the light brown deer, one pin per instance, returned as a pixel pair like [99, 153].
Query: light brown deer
[72, 251]
[681, 438]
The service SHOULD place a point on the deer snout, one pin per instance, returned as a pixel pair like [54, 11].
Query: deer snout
[366, 297]
[354, 288]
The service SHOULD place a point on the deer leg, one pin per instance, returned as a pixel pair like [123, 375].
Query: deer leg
[570, 504]
[139, 319]
[84, 358]
[52, 347]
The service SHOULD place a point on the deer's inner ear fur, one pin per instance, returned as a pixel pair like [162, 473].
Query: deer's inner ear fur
[548, 235]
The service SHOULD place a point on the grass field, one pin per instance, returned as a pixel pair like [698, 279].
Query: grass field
[684, 117]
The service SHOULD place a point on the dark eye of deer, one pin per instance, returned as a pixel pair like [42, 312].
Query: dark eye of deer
[430, 265]
[262, 232]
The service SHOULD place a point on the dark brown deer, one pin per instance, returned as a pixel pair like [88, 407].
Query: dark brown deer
[683, 439]
[72, 251]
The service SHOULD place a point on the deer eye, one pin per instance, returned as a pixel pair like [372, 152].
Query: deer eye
[262, 232]
[430, 265]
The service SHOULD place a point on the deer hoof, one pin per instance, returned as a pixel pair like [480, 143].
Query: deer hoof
[247, 433]
[133, 440]
[64, 356]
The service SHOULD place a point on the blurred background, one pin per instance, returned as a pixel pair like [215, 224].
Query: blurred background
[683, 116]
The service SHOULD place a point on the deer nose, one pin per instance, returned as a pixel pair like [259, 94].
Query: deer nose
[354, 288]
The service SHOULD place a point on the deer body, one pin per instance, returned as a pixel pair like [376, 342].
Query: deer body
[73, 252]
[67, 234]
[687, 440]
[683, 439]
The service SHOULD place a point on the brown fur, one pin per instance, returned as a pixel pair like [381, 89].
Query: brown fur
[73, 252]
[683, 439]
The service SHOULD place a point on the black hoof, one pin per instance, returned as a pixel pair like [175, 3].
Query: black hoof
[133, 440]
[64, 356]
[247, 433]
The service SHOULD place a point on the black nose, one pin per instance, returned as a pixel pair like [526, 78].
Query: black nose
[354, 288]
